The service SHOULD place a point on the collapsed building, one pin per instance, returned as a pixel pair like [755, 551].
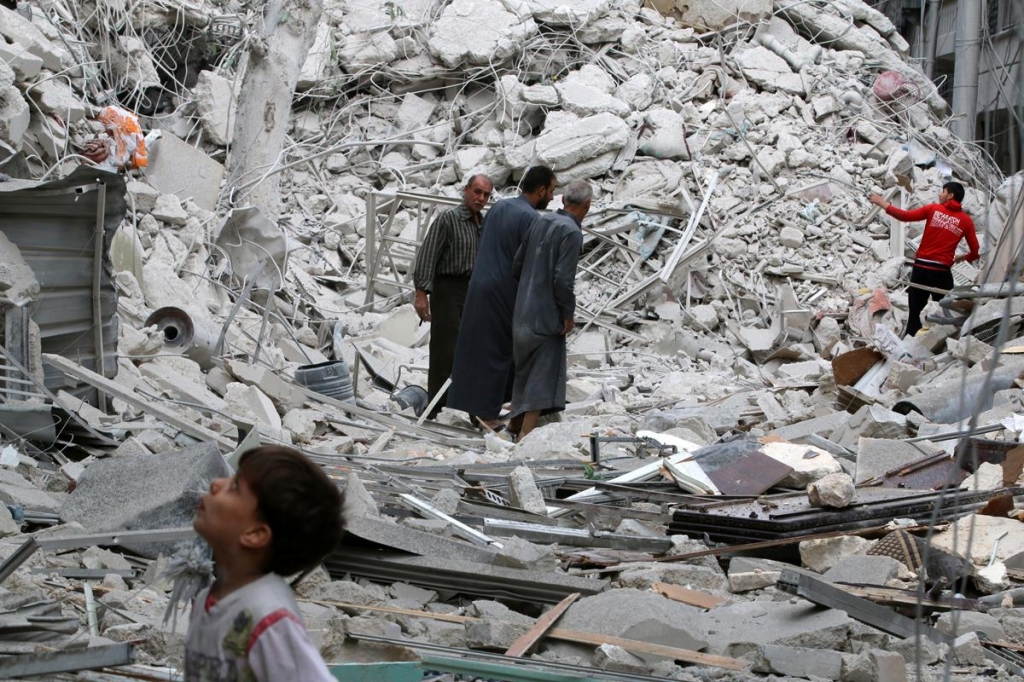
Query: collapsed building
[746, 441]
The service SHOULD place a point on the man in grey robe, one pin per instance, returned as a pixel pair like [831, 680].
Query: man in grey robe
[545, 266]
[482, 371]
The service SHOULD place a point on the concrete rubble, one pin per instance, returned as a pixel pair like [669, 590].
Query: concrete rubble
[739, 303]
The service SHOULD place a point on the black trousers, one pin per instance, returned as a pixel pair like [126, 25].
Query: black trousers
[917, 299]
[447, 301]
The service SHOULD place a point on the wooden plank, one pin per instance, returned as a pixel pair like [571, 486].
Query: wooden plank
[115, 390]
[564, 635]
[685, 596]
[540, 628]
[634, 646]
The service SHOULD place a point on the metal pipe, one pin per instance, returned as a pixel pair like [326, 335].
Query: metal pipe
[97, 280]
[965, 74]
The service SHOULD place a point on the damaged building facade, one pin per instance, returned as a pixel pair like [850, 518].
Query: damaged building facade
[754, 478]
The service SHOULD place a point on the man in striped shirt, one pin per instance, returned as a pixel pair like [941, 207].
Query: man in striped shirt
[443, 266]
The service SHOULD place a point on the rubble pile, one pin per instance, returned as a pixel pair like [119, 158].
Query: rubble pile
[746, 441]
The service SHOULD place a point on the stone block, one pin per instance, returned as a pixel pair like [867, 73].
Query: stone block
[24, 64]
[834, 490]
[590, 350]
[56, 97]
[740, 628]
[29, 497]
[584, 100]
[176, 167]
[987, 477]
[712, 15]
[863, 570]
[821, 555]
[318, 59]
[523, 492]
[15, 116]
[519, 553]
[967, 650]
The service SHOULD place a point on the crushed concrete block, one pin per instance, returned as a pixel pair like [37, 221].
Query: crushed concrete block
[360, 51]
[808, 462]
[56, 97]
[144, 492]
[693, 576]
[215, 103]
[578, 390]
[97, 557]
[970, 621]
[616, 659]
[131, 447]
[967, 650]
[479, 32]
[318, 59]
[541, 95]
[303, 424]
[834, 490]
[498, 627]
[249, 401]
[29, 497]
[23, 35]
[798, 662]
[913, 649]
[871, 421]
[576, 13]
[283, 394]
[587, 138]
[987, 477]
[821, 555]
[584, 100]
[712, 15]
[358, 502]
[18, 283]
[24, 64]
[590, 350]
[15, 116]
[704, 317]
[863, 570]
[807, 371]
[523, 492]
[767, 69]
[638, 91]
[8, 526]
[446, 501]
[349, 592]
[519, 553]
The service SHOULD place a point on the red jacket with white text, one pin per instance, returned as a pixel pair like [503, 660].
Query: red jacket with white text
[946, 225]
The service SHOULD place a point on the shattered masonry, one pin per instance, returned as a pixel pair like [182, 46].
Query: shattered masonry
[739, 306]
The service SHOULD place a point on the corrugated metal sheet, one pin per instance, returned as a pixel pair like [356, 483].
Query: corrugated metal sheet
[53, 225]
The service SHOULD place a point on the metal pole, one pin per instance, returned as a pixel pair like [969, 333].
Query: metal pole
[965, 73]
[931, 36]
[371, 246]
[97, 280]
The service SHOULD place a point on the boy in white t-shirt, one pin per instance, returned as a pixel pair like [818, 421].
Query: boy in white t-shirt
[279, 515]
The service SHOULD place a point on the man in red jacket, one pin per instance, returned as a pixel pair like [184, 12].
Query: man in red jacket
[946, 225]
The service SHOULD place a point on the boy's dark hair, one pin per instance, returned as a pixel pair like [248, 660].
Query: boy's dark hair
[302, 506]
[956, 189]
[535, 178]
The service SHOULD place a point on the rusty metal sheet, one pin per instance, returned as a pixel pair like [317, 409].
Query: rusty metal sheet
[928, 473]
[751, 474]
[849, 367]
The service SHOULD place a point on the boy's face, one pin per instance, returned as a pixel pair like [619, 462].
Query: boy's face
[227, 516]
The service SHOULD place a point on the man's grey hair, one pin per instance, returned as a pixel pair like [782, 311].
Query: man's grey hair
[473, 178]
[577, 193]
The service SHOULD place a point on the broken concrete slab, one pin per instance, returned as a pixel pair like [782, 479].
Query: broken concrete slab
[633, 614]
[809, 463]
[875, 456]
[741, 628]
[215, 104]
[144, 492]
[798, 662]
[176, 167]
[586, 138]
[970, 621]
[475, 32]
